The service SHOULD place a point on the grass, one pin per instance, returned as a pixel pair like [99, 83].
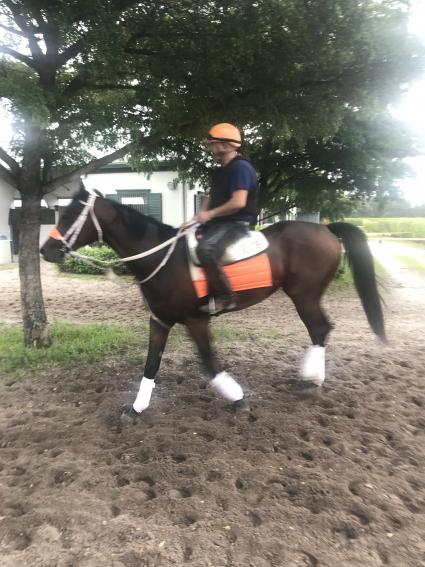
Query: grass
[396, 227]
[412, 263]
[79, 345]
[9, 266]
[346, 277]
[71, 345]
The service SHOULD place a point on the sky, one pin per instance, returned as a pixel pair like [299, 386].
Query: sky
[411, 111]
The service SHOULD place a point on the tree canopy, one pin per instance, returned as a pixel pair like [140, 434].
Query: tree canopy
[94, 76]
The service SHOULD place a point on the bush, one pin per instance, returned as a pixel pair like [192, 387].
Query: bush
[105, 253]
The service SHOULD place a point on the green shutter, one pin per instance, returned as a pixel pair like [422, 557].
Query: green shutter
[154, 208]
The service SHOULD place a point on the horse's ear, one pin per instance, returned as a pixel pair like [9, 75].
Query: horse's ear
[97, 192]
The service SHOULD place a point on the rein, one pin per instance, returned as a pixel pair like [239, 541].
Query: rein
[73, 232]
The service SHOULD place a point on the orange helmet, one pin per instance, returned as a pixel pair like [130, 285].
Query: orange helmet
[225, 132]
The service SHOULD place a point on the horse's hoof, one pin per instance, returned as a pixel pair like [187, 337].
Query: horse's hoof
[306, 389]
[240, 405]
[129, 415]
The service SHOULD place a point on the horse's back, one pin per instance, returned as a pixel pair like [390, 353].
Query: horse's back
[302, 251]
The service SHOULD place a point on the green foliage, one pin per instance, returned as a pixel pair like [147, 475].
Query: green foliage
[103, 253]
[397, 227]
[305, 79]
[71, 345]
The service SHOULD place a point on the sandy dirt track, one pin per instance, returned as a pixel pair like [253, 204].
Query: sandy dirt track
[333, 479]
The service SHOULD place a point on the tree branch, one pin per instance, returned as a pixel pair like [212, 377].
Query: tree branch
[89, 167]
[70, 52]
[8, 177]
[19, 56]
[12, 30]
[8, 160]
[77, 84]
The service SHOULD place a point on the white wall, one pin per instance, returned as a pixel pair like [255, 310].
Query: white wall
[6, 199]
[172, 199]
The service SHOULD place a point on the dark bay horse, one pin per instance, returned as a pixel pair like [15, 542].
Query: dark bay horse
[303, 257]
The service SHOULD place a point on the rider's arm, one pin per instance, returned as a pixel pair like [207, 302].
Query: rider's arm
[237, 201]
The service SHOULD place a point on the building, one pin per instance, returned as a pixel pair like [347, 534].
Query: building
[160, 194]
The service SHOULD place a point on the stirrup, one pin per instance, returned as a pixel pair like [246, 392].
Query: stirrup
[217, 305]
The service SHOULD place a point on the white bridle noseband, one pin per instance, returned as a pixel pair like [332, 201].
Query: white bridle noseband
[74, 230]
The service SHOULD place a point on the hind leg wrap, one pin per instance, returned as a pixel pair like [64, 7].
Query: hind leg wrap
[313, 365]
[227, 387]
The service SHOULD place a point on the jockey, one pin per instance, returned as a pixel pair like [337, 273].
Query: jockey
[229, 211]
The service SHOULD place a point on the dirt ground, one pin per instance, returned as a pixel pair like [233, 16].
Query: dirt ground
[331, 479]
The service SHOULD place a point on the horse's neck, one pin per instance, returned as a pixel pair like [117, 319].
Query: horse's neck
[125, 242]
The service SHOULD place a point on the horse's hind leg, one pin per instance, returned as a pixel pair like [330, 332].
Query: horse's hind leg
[158, 336]
[222, 382]
[318, 327]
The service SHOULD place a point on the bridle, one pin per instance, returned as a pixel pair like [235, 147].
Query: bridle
[73, 232]
[71, 235]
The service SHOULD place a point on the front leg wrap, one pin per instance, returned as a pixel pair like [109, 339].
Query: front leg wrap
[144, 395]
[227, 387]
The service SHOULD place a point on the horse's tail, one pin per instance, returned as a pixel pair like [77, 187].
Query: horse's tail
[362, 267]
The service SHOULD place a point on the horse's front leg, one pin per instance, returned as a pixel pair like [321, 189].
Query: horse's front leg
[221, 381]
[158, 336]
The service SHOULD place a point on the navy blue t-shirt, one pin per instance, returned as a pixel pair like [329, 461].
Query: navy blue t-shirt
[236, 175]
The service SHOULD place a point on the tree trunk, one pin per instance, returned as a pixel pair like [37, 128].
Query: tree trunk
[33, 312]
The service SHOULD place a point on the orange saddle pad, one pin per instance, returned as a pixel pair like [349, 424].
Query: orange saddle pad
[251, 273]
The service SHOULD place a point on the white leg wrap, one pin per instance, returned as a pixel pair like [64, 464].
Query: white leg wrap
[313, 365]
[227, 387]
[144, 395]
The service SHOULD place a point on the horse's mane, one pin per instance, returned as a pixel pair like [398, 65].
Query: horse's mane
[137, 223]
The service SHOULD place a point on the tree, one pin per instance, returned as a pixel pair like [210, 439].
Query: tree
[363, 159]
[148, 78]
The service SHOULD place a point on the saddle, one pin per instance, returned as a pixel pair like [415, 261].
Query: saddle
[245, 263]
[253, 243]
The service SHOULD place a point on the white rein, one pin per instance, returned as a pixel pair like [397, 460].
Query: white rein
[73, 232]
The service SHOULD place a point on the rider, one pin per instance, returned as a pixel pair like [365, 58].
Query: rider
[229, 211]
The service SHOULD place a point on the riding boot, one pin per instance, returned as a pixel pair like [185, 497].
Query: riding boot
[221, 297]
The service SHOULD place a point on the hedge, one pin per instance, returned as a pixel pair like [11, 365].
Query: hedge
[105, 253]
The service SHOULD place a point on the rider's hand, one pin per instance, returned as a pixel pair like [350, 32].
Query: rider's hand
[203, 216]
[189, 223]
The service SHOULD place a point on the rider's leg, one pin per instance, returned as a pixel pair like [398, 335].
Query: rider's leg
[210, 249]
[157, 340]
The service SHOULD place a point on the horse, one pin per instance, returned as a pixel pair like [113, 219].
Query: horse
[303, 260]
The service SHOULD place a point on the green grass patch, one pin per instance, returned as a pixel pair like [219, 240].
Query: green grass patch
[71, 345]
[412, 263]
[222, 332]
[345, 276]
[391, 227]
[78, 345]
[10, 266]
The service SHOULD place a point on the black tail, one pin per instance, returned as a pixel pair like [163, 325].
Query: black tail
[360, 260]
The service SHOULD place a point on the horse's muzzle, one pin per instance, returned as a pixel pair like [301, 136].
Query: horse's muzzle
[52, 251]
